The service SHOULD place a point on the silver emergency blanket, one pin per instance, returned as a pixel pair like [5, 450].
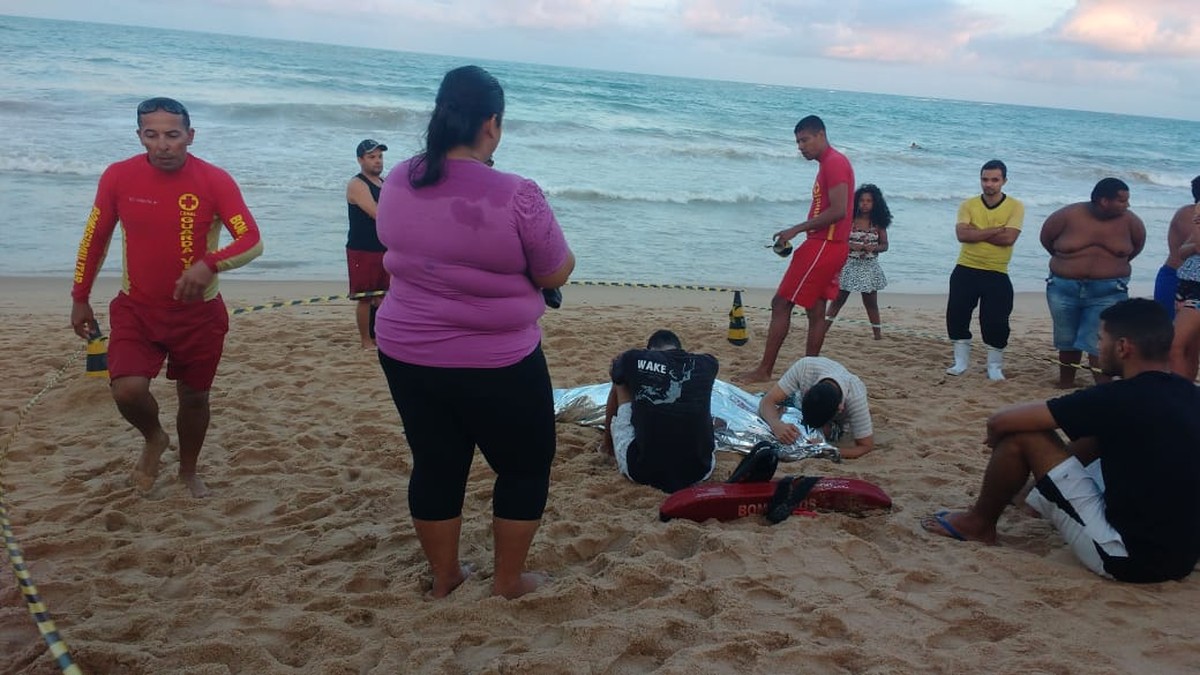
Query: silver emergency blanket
[736, 424]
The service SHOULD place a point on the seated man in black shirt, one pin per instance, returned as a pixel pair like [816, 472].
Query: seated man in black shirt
[1125, 492]
[658, 421]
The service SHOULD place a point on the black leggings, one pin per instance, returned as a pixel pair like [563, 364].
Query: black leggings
[508, 412]
[992, 291]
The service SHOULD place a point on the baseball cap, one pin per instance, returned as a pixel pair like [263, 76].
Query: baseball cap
[368, 145]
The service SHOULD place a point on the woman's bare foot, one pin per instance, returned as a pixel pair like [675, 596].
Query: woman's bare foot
[198, 488]
[526, 583]
[145, 472]
[442, 589]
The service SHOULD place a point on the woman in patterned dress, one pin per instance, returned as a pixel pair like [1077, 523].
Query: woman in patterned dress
[862, 273]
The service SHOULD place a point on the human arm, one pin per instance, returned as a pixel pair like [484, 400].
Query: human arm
[1018, 418]
[861, 447]
[1137, 235]
[93, 248]
[998, 236]
[559, 276]
[359, 194]
[969, 234]
[1191, 244]
[1178, 236]
[549, 258]
[83, 320]
[1052, 229]
[231, 209]
[882, 245]
[856, 413]
[838, 196]
[610, 411]
[769, 411]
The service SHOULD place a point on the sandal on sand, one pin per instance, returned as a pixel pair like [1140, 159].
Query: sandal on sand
[938, 524]
[758, 466]
[788, 495]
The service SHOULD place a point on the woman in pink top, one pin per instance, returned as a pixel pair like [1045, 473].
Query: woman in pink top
[469, 251]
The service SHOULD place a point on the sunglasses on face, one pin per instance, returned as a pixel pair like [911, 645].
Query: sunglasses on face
[157, 103]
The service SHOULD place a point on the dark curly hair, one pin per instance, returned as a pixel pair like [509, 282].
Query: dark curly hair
[881, 215]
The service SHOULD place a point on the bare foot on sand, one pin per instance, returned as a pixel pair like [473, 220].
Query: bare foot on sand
[526, 583]
[1059, 384]
[758, 375]
[145, 472]
[197, 487]
[442, 590]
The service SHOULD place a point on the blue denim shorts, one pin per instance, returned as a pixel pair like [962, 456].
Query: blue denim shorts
[1075, 306]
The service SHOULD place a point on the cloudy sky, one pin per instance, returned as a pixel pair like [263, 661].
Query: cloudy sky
[1127, 56]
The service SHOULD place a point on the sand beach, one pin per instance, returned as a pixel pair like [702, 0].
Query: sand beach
[304, 560]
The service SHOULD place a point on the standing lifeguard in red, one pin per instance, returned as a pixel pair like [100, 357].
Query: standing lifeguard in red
[812, 277]
[171, 207]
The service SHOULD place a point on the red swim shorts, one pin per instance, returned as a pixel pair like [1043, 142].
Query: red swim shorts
[366, 271]
[190, 336]
[814, 272]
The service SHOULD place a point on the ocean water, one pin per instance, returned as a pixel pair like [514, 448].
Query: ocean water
[654, 179]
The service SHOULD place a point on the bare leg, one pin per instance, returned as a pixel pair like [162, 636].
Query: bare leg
[836, 307]
[139, 407]
[871, 304]
[816, 329]
[439, 541]
[781, 322]
[191, 423]
[1186, 346]
[1066, 372]
[1094, 363]
[512, 540]
[1013, 459]
[362, 317]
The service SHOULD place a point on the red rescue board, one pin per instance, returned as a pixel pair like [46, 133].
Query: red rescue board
[729, 501]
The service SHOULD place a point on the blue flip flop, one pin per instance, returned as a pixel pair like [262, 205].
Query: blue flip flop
[948, 530]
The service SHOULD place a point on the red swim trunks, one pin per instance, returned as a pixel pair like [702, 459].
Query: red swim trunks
[366, 271]
[143, 336]
[814, 272]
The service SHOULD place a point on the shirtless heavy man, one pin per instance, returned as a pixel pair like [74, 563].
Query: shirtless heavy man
[1177, 233]
[1091, 245]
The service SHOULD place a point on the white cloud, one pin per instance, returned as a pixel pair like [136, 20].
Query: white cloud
[1168, 28]
[728, 18]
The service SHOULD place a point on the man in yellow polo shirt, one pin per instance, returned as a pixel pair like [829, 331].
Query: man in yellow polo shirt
[988, 226]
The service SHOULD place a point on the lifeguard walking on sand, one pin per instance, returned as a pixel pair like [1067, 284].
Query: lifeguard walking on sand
[169, 204]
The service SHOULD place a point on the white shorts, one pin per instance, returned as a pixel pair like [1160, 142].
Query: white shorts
[1077, 512]
[622, 436]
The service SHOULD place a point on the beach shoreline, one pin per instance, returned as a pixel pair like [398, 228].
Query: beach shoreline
[29, 293]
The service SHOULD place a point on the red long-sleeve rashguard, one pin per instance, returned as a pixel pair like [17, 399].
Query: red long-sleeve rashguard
[170, 221]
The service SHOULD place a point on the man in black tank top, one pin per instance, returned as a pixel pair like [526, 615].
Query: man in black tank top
[364, 252]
